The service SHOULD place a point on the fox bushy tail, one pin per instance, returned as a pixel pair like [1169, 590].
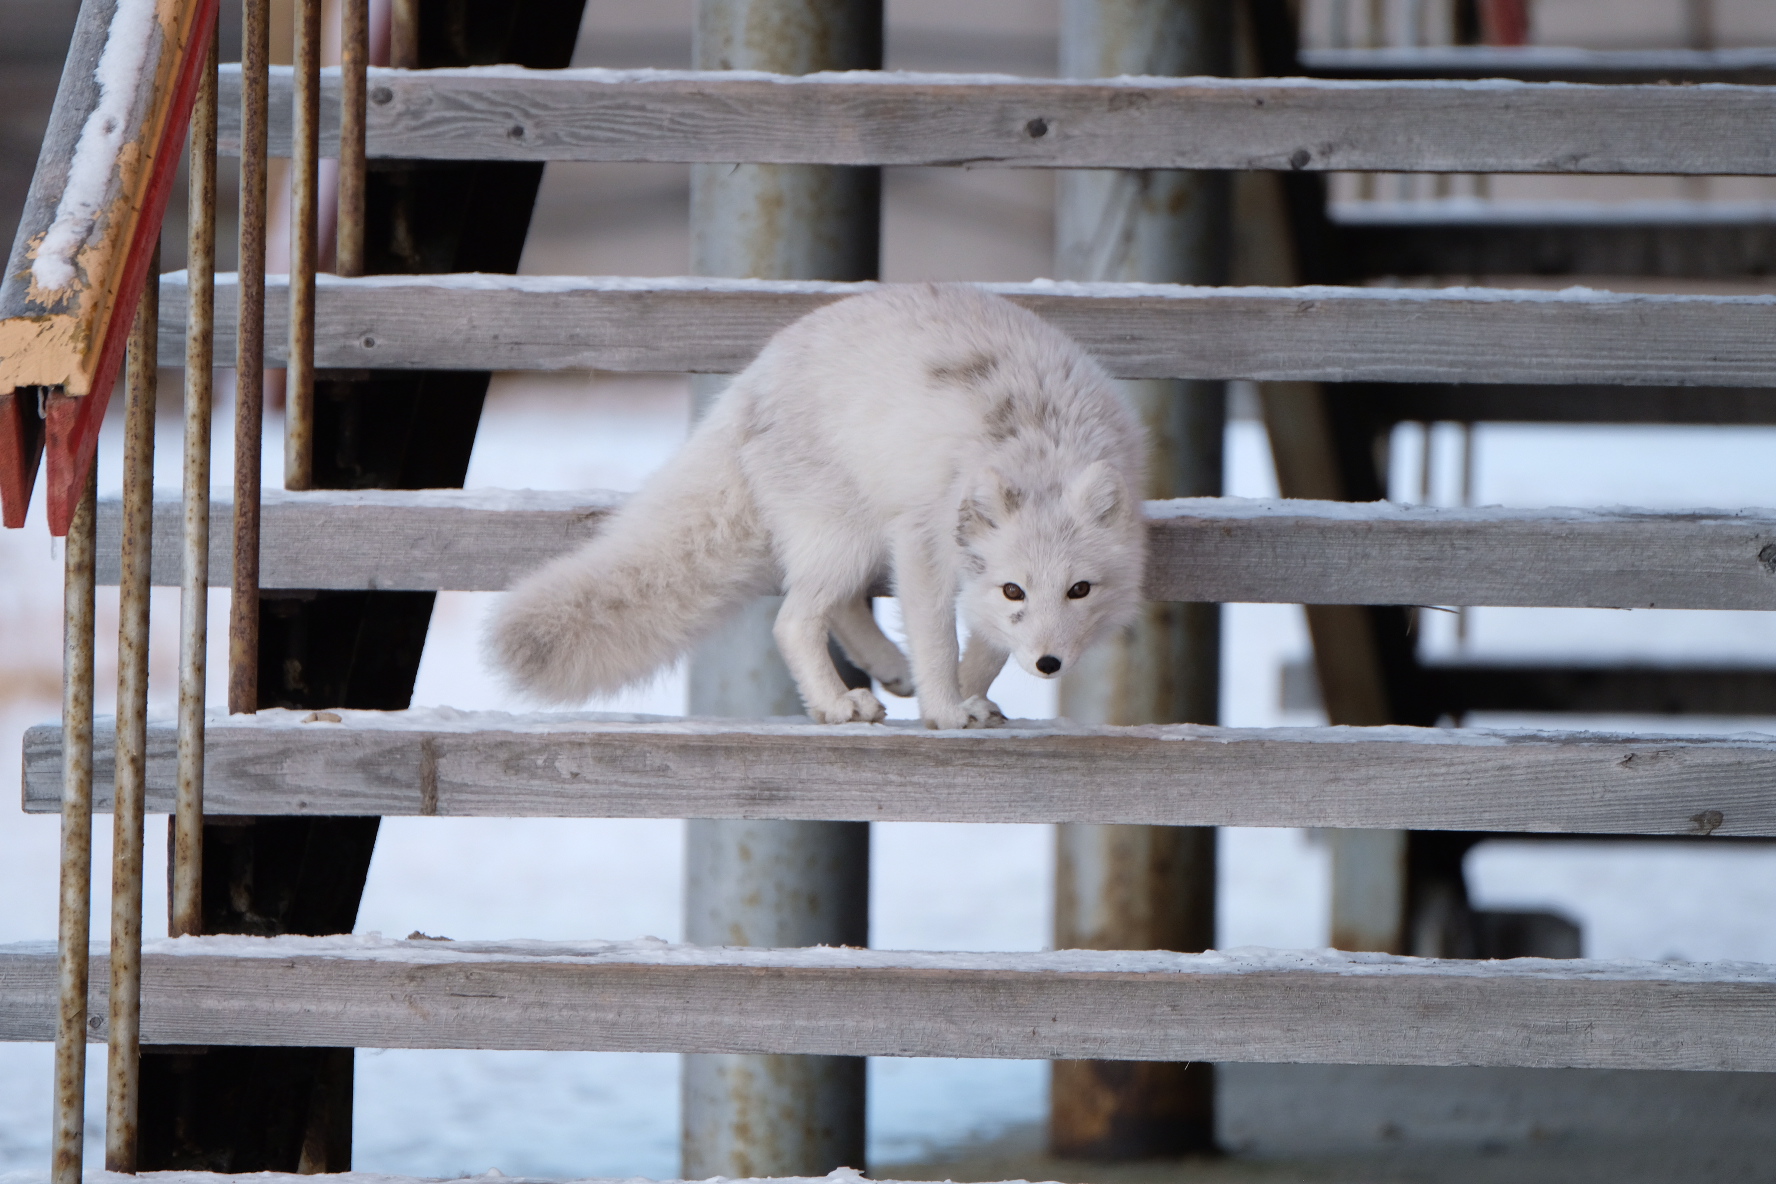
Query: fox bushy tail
[663, 571]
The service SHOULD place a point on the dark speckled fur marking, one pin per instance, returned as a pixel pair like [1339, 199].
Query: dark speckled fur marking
[970, 372]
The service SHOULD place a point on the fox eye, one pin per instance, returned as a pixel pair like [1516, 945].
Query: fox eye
[1013, 592]
[1078, 591]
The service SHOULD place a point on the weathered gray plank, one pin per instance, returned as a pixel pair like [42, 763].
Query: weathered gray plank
[500, 113]
[1206, 549]
[1546, 63]
[1678, 239]
[487, 764]
[650, 997]
[422, 540]
[1135, 330]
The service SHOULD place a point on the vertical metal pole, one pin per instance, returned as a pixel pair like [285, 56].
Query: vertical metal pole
[249, 360]
[404, 34]
[1700, 25]
[354, 60]
[194, 589]
[776, 883]
[1136, 887]
[124, 1061]
[305, 164]
[780, 884]
[75, 919]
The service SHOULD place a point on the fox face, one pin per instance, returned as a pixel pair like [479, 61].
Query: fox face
[1046, 572]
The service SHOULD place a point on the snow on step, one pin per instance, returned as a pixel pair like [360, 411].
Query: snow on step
[896, 118]
[489, 764]
[648, 996]
[1312, 334]
[1203, 549]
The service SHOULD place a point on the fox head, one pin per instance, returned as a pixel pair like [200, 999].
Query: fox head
[1048, 571]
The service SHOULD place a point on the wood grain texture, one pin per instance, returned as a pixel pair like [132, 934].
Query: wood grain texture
[1135, 330]
[500, 113]
[1075, 1004]
[493, 765]
[1201, 549]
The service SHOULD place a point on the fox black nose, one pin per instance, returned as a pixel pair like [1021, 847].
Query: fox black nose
[1048, 664]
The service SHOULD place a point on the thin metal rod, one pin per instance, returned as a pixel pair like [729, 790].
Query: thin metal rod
[75, 924]
[404, 34]
[354, 59]
[124, 1063]
[305, 194]
[194, 601]
[249, 360]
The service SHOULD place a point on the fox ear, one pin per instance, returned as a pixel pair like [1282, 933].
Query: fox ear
[992, 500]
[1099, 494]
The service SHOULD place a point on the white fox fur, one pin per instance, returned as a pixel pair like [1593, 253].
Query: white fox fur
[935, 433]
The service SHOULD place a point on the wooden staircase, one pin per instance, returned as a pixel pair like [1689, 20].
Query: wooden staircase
[1281, 1007]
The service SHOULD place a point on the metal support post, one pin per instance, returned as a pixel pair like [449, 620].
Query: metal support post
[1135, 887]
[74, 927]
[354, 60]
[249, 359]
[186, 901]
[776, 883]
[124, 1064]
[305, 165]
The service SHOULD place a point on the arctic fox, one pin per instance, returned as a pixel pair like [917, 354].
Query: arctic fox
[935, 434]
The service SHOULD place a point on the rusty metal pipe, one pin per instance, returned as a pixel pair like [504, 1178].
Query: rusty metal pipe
[74, 928]
[354, 60]
[124, 1062]
[404, 34]
[249, 360]
[304, 203]
[187, 895]
[775, 883]
[1129, 887]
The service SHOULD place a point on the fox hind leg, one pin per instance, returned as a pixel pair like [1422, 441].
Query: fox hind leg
[865, 644]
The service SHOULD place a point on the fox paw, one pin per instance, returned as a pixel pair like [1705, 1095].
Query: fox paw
[978, 712]
[898, 684]
[853, 707]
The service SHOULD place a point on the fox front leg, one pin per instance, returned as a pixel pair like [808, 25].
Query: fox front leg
[801, 632]
[981, 663]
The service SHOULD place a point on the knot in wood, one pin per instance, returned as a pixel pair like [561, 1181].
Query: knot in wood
[1037, 128]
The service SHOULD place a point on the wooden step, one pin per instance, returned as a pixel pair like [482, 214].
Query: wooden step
[488, 764]
[1546, 63]
[648, 996]
[1312, 334]
[863, 118]
[1463, 237]
[1203, 549]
